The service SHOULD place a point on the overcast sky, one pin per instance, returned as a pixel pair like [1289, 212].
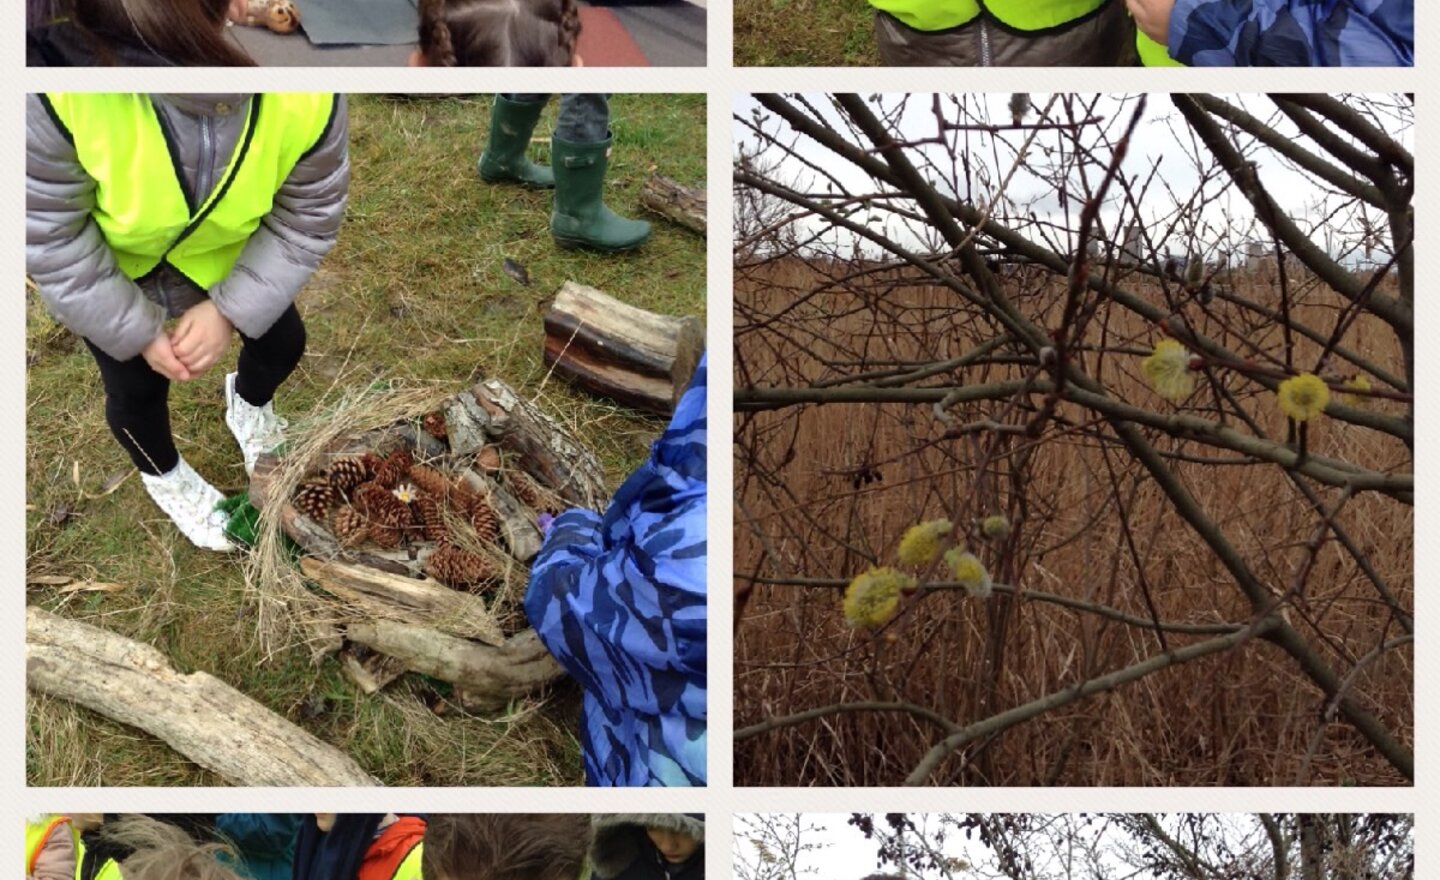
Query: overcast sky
[1154, 141]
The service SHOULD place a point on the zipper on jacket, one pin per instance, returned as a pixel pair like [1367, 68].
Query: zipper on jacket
[204, 175]
[984, 34]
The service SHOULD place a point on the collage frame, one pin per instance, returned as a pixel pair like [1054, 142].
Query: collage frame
[720, 800]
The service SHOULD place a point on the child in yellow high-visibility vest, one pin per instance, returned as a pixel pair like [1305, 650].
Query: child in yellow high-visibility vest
[159, 227]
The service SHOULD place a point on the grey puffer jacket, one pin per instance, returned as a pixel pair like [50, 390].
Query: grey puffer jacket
[83, 286]
[1104, 38]
[621, 849]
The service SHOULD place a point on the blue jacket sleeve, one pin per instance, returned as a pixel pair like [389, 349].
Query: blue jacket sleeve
[1293, 33]
[620, 600]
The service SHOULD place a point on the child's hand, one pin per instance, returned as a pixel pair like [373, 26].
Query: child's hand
[239, 11]
[200, 337]
[161, 358]
[1152, 17]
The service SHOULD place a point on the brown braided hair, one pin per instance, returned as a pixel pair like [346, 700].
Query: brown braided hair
[499, 33]
[180, 32]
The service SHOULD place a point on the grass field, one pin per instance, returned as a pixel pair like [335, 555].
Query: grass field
[1241, 717]
[804, 33]
[413, 294]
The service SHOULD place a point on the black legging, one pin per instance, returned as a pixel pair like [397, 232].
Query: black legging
[137, 398]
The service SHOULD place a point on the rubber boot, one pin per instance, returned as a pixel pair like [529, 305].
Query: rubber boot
[503, 161]
[581, 218]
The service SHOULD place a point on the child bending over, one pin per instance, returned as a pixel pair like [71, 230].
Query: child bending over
[497, 33]
[211, 211]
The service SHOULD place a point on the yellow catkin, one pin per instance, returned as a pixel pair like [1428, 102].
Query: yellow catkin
[1303, 397]
[874, 596]
[921, 543]
[1167, 369]
[970, 572]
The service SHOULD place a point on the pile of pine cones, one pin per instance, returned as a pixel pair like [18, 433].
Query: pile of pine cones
[394, 500]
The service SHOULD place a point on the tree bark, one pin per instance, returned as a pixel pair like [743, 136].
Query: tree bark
[199, 716]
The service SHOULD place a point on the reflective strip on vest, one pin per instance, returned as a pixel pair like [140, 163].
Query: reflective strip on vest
[1023, 15]
[140, 204]
[1152, 54]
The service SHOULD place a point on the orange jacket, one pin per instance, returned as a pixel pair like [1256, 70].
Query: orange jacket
[384, 858]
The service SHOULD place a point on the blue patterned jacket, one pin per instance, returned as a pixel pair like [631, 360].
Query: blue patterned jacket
[620, 601]
[1293, 33]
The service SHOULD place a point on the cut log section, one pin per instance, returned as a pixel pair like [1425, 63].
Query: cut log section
[616, 350]
[680, 204]
[489, 676]
[197, 715]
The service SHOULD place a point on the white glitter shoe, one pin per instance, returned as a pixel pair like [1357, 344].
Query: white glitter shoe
[190, 503]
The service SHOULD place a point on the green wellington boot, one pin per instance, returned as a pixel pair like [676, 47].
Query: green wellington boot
[581, 218]
[511, 123]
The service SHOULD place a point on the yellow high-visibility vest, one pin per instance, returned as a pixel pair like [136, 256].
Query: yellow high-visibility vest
[142, 207]
[1152, 54]
[1022, 15]
[38, 833]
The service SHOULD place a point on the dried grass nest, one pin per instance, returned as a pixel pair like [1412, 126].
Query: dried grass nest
[417, 517]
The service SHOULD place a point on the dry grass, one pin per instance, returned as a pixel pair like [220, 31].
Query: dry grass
[1245, 717]
[413, 303]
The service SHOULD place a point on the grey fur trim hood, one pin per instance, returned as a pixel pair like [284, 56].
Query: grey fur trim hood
[614, 847]
[84, 288]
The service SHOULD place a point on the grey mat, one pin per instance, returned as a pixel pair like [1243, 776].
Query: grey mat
[371, 22]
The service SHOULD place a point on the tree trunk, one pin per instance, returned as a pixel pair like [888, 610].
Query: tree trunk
[198, 715]
[616, 350]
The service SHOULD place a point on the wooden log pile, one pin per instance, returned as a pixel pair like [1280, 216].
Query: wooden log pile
[617, 350]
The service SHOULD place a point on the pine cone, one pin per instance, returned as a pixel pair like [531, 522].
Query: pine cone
[347, 473]
[523, 489]
[430, 481]
[528, 491]
[458, 568]
[483, 520]
[488, 459]
[393, 469]
[315, 497]
[434, 425]
[431, 518]
[349, 527]
[372, 463]
[381, 508]
[389, 538]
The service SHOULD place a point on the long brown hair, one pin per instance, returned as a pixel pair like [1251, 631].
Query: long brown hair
[499, 33]
[505, 846]
[165, 852]
[188, 33]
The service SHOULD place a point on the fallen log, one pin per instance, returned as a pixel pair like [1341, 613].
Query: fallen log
[680, 204]
[382, 595]
[197, 715]
[490, 676]
[616, 350]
